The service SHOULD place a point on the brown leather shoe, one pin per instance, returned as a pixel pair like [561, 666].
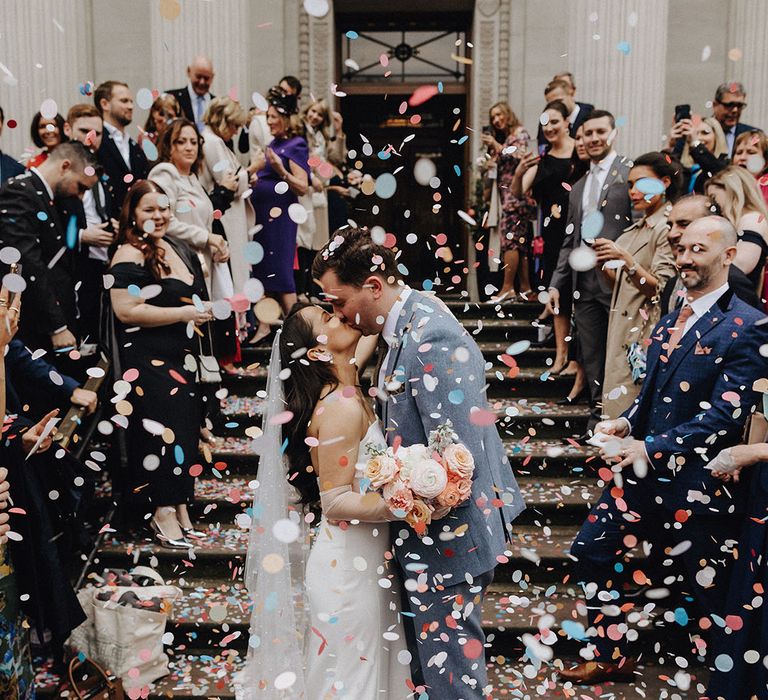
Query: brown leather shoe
[593, 672]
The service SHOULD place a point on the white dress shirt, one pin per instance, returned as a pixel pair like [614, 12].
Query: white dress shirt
[702, 305]
[122, 141]
[92, 218]
[573, 115]
[389, 332]
[599, 170]
[45, 182]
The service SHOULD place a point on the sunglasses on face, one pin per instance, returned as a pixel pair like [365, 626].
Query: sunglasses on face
[732, 105]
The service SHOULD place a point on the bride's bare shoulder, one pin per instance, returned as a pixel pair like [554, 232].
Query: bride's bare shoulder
[337, 413]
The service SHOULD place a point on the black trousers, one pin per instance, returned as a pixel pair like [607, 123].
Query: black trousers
[592, 321]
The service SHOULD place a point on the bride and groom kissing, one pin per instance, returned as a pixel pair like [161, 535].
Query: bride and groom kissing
[376, 610]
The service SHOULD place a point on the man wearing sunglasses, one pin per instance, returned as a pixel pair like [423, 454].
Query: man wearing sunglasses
[730, 101]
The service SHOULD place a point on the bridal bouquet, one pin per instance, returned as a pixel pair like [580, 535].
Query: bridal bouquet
[416, 480]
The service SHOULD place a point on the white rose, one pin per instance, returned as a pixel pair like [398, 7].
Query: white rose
[380, 469]
[409, 457]
[459, 460]
[428, 478]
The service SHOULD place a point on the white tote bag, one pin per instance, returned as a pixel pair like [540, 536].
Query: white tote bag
[121, 638]
[222, 286]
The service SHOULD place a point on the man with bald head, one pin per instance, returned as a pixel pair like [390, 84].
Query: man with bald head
[702, 362]
[196, 96]
[685, 211]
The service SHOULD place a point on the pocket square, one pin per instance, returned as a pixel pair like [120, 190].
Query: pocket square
[701, 349]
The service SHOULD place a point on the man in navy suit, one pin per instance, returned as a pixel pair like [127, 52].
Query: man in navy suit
[119, 154]
[195, 97]
[702, 362]
[9, 167]
[559, 89]
[730, 101]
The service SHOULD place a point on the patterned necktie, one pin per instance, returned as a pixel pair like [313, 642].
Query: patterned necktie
[677, 333]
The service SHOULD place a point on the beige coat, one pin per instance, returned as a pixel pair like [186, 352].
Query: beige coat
[647, 241]
[191, 211]
[240, 218]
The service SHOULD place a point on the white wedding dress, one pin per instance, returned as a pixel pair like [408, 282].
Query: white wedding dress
[356, 647]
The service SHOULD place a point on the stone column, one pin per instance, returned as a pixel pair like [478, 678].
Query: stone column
[219, 30]
[45, 54]
[617, 53]
[321, 52]
[747, 30]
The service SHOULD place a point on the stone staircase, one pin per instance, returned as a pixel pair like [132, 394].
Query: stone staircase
[532, 593]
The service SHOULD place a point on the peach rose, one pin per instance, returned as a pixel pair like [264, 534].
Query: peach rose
[381, 469]
[428, 478]
[464, 487]
[398, 497]
[450, 497]
[459, 460]
[420, 516]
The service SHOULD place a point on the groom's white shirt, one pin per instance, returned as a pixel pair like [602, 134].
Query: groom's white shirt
[389, 330]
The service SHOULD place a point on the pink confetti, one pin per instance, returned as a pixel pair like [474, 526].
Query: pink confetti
[421, 94]
[282, 418]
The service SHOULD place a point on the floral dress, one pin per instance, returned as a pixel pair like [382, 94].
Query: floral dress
[517, 213]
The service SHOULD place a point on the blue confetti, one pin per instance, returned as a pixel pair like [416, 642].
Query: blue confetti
[351, 34]
[384, 155]
[42, 216]
[573, 629]
[253, 252]
[456, 397]
[650, 186]
[462, 139]
[592, 225]
[178, 454]
[284, 446]
[402, 269]
[427, 285]
[440, 86]
[624, 47]
[681, 617]
[134, 290]
[457, 170]
[72, 232]
[622, 120]
[386, 185]
[150, 150]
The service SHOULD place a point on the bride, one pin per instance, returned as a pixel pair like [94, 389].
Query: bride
[330, 627]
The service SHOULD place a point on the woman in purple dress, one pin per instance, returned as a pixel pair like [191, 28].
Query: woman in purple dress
[282, 176]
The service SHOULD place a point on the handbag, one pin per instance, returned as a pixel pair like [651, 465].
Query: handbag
[95, 684]
[123, 638]
[208, 370]
[222, 286]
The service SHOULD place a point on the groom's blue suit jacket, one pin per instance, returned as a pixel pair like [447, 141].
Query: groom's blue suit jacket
[433, 345]
[696, 402]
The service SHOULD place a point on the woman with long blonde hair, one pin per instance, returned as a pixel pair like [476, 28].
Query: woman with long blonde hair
[735, 191]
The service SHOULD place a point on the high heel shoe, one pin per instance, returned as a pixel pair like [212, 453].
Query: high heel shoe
[165, 541]
[568, 401]
[501, 298]
[194, 534]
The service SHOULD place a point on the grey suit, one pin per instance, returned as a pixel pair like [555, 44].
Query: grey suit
[441, 376]
[592, 304]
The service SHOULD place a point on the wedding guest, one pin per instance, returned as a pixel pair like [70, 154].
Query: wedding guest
[179, 160]
[561, 90]
[286, 160]
[598, 206]
[543, 178]
[220, 166]
[736, 193]
[155, 344]
[697, 356]
[743, 633]
[515, 213]
[46, 134]
[637, 264]
[196, 96]
[162, 112]
[701, 149]
[121, 157]
[9, 167]
[730, 101]
[751, 152]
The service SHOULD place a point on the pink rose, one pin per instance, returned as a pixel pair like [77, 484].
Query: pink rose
[450, 497]
[428, 478]
[459, 461]
[464, 487]
[398, 497]
[420, 516]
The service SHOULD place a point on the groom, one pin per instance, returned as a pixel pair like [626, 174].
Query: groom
[432, 371]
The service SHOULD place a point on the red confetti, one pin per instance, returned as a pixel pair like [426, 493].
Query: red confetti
[196, 470]
[473, 649]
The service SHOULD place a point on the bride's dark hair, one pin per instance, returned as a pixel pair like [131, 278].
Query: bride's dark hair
[302, 389]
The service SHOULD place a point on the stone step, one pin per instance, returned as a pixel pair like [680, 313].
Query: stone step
[502, 381]
[528, 456]
[491, 349]
[207, 676]
[560, 500]
[516, 418]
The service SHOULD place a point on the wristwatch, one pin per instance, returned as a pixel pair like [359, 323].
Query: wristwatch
[632, 271]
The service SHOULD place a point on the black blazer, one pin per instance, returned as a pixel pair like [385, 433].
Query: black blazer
[182, 97]
[30, 222]
[737, 281]
[115, 170]
[9, 167]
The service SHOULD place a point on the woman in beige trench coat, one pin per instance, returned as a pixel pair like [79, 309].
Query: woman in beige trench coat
[638, 263]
